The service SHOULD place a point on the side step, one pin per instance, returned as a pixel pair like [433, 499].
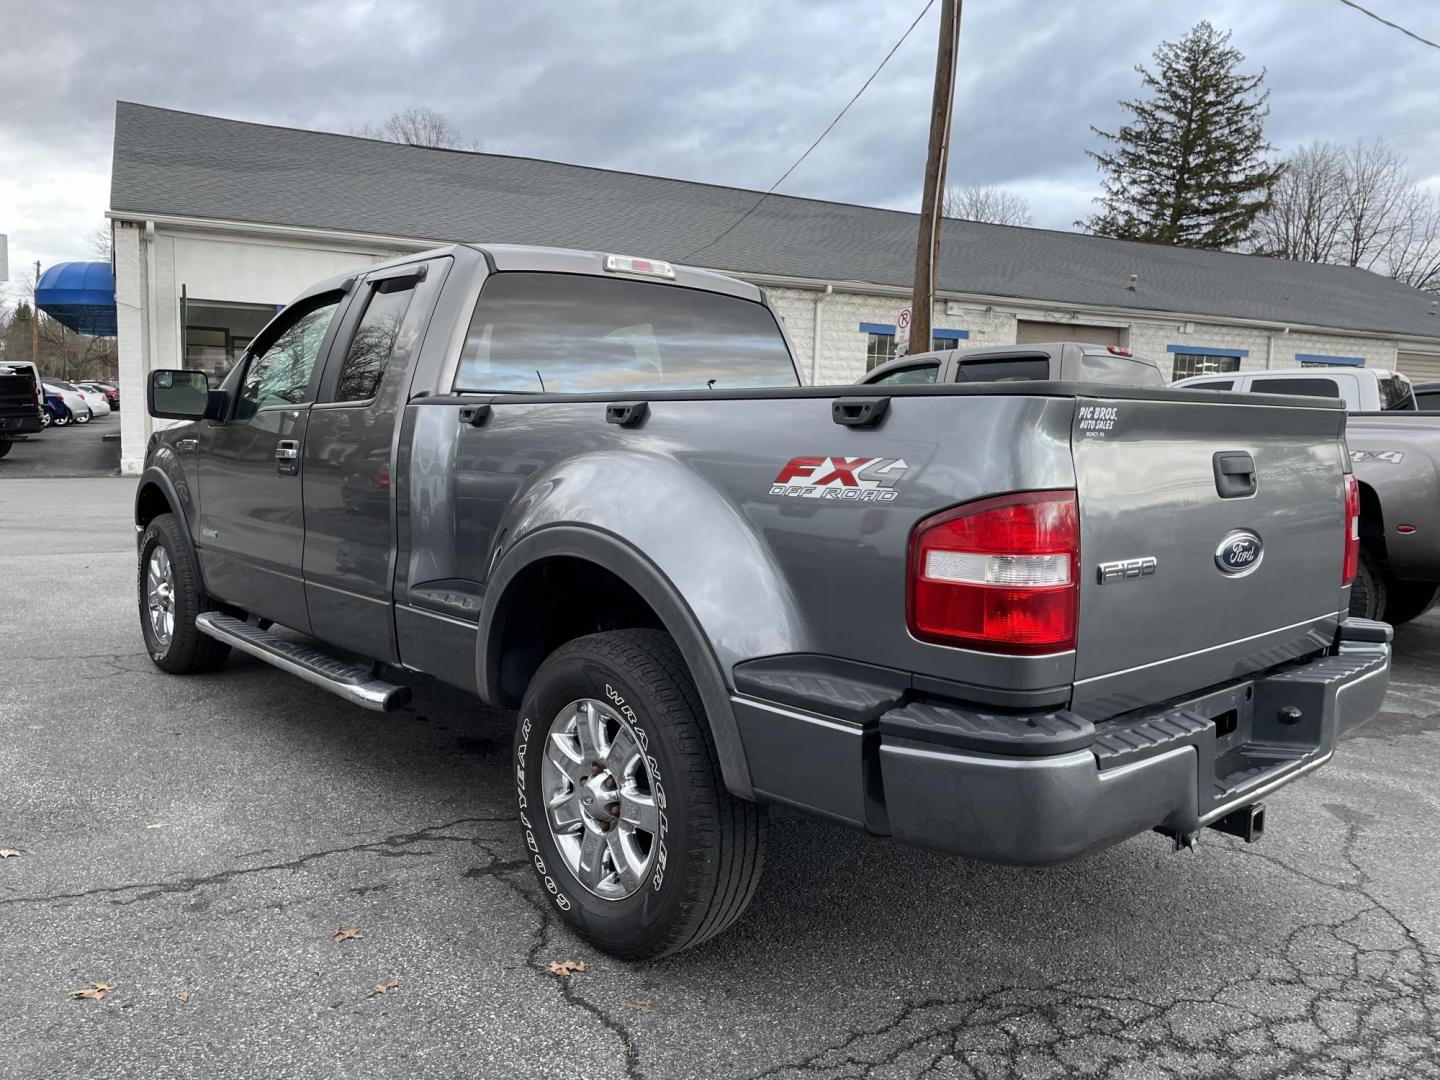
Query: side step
[353, 682]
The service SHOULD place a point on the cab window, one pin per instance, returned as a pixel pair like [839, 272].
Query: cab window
[374, 340]
[1003, 369]
[917, 373]
[1308, 386]
[280, 375]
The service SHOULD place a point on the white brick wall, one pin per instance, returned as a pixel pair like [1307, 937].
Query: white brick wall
[842, 345]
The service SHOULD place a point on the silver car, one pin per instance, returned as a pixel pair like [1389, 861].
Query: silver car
[75, 401]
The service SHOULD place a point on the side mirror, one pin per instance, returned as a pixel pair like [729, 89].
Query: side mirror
[178, 395]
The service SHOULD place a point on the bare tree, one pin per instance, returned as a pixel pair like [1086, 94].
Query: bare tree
[101, 242]
[420, 126]
[1307, 207]
[989, 204]
[1355, 206]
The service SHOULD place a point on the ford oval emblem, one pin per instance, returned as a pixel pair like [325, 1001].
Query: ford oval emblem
[1239, 553]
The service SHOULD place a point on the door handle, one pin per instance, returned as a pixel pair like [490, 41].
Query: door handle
[287, 457]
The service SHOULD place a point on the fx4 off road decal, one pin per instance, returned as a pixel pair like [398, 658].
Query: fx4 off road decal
[857, 479]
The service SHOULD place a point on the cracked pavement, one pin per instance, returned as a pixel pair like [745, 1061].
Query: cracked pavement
[280, 814]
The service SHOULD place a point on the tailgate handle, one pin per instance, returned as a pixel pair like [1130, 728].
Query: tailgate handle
[627, 413]
[859, 412]
[1234, 474]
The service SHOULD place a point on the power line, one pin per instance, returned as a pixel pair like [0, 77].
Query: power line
[1393, 26]
[770, 190]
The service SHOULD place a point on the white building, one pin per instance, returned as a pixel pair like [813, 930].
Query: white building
[218, 223]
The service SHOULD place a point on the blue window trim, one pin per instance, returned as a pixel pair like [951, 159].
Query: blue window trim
[1321, 358]
[889, 328]
[1201, 350]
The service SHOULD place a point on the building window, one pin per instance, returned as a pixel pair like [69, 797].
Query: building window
[1188, 364]
[217, 332]
[879, 343]
[1199, 360]
[941, 340]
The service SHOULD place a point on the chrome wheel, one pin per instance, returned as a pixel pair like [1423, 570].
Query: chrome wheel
[160, 596]
[600, 799]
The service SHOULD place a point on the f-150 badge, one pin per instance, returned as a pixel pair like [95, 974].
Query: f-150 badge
[857, 479]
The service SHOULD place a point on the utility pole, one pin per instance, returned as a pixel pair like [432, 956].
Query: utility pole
[927, 245]
[35, 321]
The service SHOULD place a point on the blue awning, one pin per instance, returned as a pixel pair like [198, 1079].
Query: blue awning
[80, 295]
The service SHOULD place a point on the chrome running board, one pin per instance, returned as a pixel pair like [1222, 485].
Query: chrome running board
[353, 682]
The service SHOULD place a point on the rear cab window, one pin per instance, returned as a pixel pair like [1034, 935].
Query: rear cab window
[1107, 367]
[552, 333]
[1211, 384]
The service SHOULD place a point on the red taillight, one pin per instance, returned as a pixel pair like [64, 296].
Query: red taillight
[1117, 350]
[1352, 530]
[998, 575]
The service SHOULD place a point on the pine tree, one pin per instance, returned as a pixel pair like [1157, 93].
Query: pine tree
[1189, 169]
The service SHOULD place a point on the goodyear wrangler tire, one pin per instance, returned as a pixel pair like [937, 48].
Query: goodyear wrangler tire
[633, 837]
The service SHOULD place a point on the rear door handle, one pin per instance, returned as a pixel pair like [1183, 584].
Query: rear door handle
[287, 457]
[1235, 476]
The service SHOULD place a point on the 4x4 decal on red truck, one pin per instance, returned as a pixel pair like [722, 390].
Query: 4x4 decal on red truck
[857, 479]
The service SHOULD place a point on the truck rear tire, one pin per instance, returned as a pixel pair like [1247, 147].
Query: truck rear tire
[1367, 591]
[633, 835]
[1406, 600]
[170, 598]
[5, 445]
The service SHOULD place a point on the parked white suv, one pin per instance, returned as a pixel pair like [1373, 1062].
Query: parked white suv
[1363, 389]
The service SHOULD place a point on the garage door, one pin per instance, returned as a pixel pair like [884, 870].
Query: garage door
[1421, 367]
[1029, 333]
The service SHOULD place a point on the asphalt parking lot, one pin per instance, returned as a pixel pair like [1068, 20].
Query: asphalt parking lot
[194, 843]
[72, 451]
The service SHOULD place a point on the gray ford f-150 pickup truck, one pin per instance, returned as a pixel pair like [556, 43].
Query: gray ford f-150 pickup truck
[1013, 621]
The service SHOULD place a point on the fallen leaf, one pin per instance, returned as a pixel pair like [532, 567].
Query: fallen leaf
[183, 995]
[96, 991]
[385, 987]
[11, 852]
[560, 969]
[639, 1006]
[347, 933]
[158, 825]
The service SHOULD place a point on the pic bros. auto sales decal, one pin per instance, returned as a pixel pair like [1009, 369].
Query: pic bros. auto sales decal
[857, 479]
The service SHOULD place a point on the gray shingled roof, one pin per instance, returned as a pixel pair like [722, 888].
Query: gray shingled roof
[190, 165]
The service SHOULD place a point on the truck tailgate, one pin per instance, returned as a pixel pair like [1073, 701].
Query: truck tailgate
[1183, 586]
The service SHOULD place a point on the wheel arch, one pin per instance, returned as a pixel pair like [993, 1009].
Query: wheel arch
[156, 495]
[502, 677]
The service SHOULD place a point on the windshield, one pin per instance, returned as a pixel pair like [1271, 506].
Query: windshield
[576, 334]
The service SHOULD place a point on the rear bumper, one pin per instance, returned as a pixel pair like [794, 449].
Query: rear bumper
[19, 425]
[1050, 787]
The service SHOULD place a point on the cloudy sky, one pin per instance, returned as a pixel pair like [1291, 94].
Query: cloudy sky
[729, 93]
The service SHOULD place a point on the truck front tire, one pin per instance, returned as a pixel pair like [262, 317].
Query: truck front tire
[170, 597]
[633, 836]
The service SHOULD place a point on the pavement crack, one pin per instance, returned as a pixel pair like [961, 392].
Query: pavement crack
[391, 846]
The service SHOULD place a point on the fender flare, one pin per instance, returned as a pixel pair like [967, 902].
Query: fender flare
[157, 477]
[631, 566]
